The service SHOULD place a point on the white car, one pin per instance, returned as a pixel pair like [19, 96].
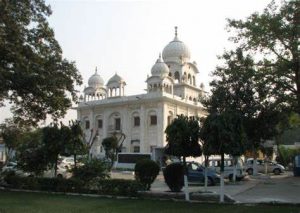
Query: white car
[67, 162]
[215, 164]
[12, 166]
[61, 172]
[261, 165]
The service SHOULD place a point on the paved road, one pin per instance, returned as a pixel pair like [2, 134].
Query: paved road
[275, 188]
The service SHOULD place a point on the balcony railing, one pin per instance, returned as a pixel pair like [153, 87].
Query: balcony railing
[114, 128]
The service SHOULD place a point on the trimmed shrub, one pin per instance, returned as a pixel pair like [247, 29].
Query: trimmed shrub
[94, 168]
[118, 187]
[146, 171]
[173, 175]
[61, 185]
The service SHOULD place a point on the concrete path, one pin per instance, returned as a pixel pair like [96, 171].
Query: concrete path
[263, 188]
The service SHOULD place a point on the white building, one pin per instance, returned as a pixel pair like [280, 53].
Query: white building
[171, 90]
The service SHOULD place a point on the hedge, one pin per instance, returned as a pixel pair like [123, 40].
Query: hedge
[118, 187]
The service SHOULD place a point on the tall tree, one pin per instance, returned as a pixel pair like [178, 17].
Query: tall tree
[31, 155]
[76, 145]
[183, 141]
[34, 76]
[238, 85]
[223, 134]
[54, 143]
[12, 136]
[110, 145]
[274, 36]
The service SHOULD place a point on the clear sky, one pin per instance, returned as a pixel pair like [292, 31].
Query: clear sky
[127, 36]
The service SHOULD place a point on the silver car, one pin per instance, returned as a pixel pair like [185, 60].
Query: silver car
[262, 166]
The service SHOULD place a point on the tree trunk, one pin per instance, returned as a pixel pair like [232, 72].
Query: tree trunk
[55, 166]
[222, 179]
[205, 172]
[254, 166]
[186, 186]
[75, 161]
[296, 62]
[234, 173]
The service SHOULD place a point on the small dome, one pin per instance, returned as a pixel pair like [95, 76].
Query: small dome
[176, 50]
[95, 80]
[160, 68]
[116, 79]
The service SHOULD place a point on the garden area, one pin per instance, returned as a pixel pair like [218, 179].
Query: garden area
[11, 202]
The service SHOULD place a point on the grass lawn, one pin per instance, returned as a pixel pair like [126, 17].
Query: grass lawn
[11, 202]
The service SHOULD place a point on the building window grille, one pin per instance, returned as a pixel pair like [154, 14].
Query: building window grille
[136, 121]
[118, 123]
[87, 124]
[136, 149]
[100, 124]
[153, 120]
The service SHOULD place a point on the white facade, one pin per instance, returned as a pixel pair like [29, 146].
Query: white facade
[171, 90]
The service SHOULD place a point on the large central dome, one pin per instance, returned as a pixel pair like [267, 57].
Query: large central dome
[176, 51]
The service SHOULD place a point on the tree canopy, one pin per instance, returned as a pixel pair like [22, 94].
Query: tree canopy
[223, 134]
[274, 36]
[34, 76]
[260, 78]
[111, 146]
[183, 137]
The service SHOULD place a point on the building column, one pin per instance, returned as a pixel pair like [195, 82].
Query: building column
[143, 126]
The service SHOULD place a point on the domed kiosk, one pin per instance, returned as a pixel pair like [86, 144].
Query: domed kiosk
[116, 86]
[96, 89]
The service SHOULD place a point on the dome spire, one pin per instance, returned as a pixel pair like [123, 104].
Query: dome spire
[159, 60]
[176, 34]
[96, 70]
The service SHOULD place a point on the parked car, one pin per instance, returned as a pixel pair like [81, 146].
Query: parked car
[215, 165]
[196, 174]
[62, 172]
[12, 166]
[262, 165]
[68, 162]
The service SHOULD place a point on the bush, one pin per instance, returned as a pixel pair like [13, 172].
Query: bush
[96, 186]
[45, 184]
[116, 187]
[146, 171]
[173, 175]
[94, 168]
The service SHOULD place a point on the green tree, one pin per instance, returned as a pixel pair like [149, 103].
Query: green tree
[76, 145]
[111, 146]
[223, 134]
[54, 143]
[182, 137]
[12, 136]
[274, 36]
[238, 86]
[31, 155]
[34, 76]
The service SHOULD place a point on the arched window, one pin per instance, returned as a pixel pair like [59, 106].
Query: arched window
[136, 119]
[152, 118]
[189, 78]
[177, 76]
